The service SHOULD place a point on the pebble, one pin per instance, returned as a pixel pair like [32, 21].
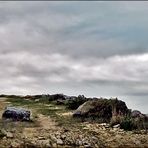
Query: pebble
[41, 138]
[9, 135]
[116, 126]
[15, 144]
[63, 137]
[59, 141]
[44, 143]
[103, 124]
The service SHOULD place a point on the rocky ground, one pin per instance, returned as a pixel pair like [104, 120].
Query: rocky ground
[58, 129]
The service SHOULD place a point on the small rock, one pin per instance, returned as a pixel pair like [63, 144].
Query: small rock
[107, 126]
[88, 146]
[58, 136]
[9, 135]
[4, 138]
[80, 143]
[63, 137]
[94, 139]
[103, 124]
[115, 129]
[116, 126]
[44, 143]
[53, 138]
[15, 144]
[54, 145]
[85, 128]
[59, 141]
[41, 138]
[136, 141]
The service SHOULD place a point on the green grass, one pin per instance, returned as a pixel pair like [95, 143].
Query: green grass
[19, 101]
[65, 121]
[48, 109]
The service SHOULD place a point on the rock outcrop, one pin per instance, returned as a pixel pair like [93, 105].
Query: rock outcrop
[138, 114]
[101, 108]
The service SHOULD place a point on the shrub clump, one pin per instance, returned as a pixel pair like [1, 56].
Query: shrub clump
[75, 102]
[128, 124]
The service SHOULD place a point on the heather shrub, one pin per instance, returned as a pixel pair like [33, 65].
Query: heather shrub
[128, 124]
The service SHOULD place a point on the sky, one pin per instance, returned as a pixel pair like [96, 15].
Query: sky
[99, 49]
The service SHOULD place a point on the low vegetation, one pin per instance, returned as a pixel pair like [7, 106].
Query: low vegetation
[53, 118]
[47, 108]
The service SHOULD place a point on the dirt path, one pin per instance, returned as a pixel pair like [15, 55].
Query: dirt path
[46, 122]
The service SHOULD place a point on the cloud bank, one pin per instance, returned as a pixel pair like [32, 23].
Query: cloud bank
[91, 48]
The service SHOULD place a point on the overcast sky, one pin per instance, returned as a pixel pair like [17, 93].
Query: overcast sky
[91, 48]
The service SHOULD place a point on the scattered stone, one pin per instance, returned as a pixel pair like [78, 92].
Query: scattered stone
[59, 141]
[88, 146]
[80, 143]
[63, 137]
[103, 124]
[94, 139]
[4, 138]
[41, 138]
[9, 135]
[15, 144]
[116, 126]
[85, 128]
[44, 143]
[53, 138]
[2, 133]
[54, 145]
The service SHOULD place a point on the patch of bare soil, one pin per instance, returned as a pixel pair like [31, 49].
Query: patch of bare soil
[65, 114]
[45, 123]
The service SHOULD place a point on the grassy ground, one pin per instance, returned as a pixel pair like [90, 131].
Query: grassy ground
[56, 112]
[45, 116]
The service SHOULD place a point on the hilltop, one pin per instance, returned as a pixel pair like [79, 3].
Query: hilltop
[73, 121]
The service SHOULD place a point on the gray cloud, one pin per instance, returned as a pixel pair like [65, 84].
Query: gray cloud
[91, 48]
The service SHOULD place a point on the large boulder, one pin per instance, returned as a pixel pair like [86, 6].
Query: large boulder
[18, 114]
[101, 108]
[138, 114]
[141, 120]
